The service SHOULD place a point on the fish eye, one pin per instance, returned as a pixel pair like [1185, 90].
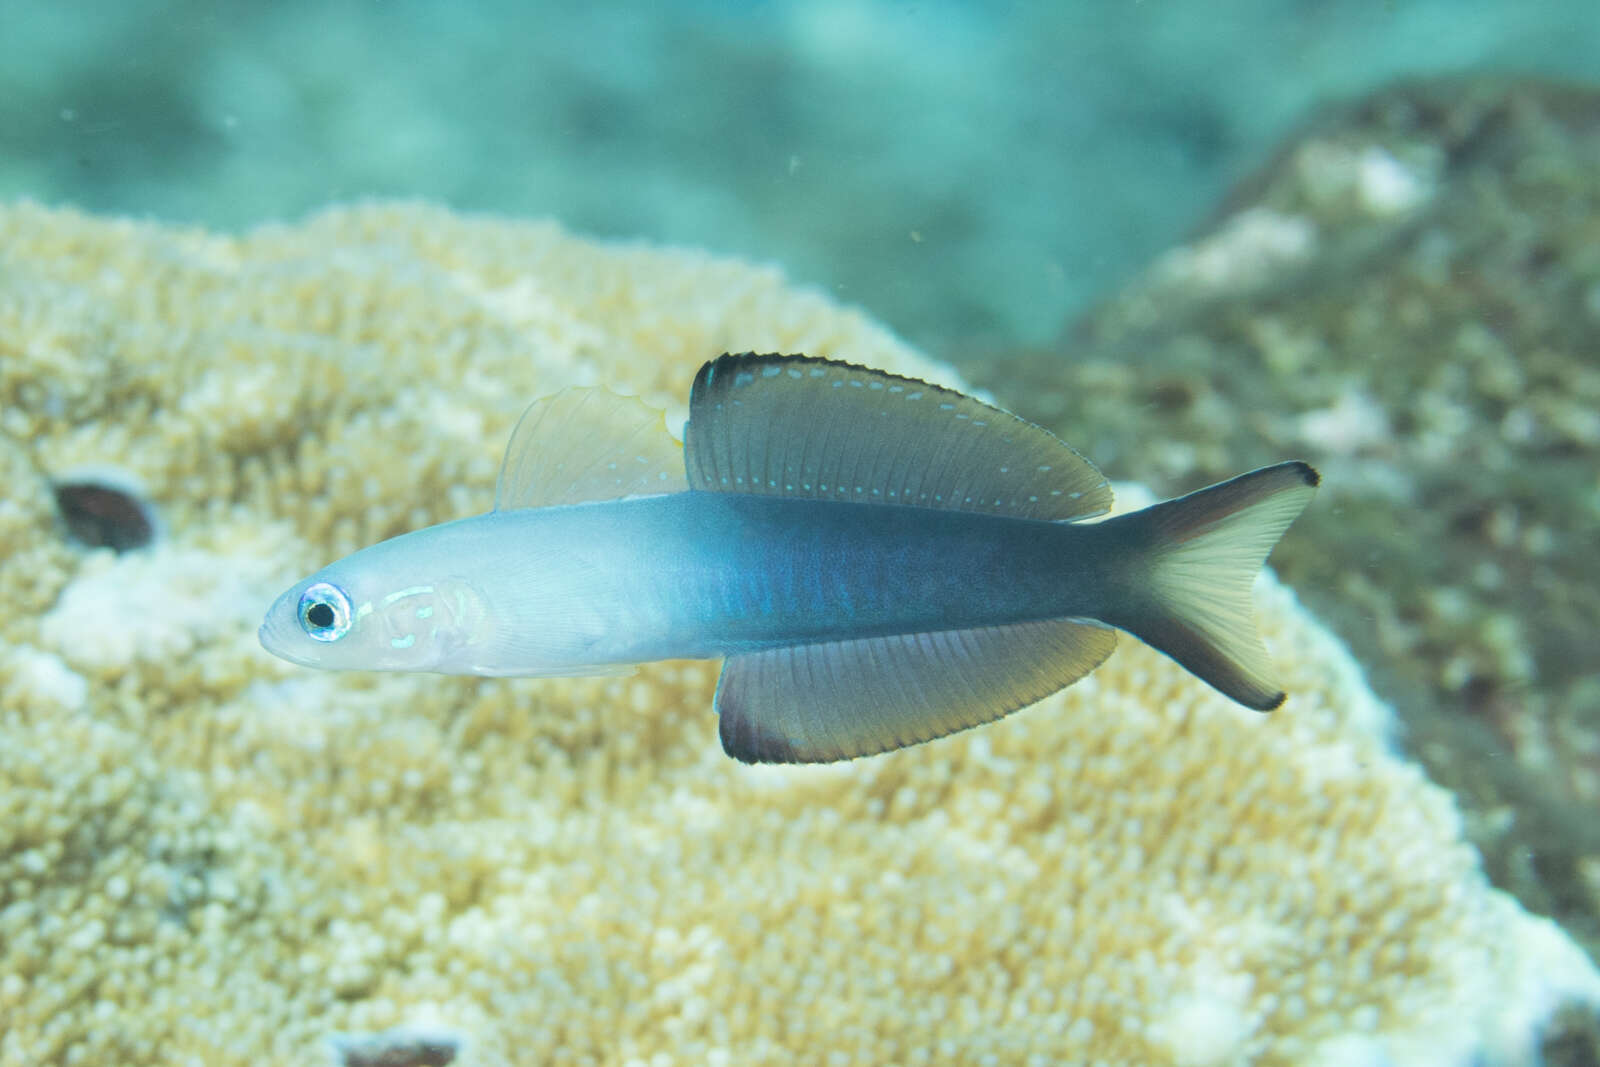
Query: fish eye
[324, 612]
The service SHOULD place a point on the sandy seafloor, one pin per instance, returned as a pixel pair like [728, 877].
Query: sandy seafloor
[1054, 199]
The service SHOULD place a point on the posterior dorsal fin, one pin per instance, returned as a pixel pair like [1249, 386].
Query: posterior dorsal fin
[588, 444]
[796, 426]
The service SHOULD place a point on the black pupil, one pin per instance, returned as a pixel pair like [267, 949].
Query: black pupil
[320, 616]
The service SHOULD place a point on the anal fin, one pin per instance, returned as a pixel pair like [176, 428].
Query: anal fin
[838, 700]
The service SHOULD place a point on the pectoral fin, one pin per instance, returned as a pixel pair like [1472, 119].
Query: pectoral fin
[841, 699]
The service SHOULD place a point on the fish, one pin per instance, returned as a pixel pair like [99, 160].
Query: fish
[876, 560]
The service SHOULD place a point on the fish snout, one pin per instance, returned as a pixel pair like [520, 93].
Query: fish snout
[280, 634]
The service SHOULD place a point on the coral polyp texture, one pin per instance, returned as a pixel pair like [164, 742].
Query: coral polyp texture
[208, 856]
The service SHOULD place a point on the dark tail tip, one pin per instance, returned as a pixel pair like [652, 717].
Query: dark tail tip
[1307, 472]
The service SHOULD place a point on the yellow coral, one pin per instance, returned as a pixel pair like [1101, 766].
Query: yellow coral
[208, 856]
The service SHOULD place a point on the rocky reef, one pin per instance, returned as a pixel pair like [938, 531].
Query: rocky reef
[210, 856]
[1407, 294]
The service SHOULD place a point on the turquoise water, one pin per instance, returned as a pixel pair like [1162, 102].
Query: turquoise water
[966, 172]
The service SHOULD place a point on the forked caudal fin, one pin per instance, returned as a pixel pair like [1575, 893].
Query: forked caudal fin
[1191, 587]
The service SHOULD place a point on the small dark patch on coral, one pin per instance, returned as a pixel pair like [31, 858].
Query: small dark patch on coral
[1572, 1040]
[397, 1048]
[104, 516]
[1453, 549]
[1171, 397]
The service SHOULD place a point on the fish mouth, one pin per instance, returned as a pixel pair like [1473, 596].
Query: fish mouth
[272, 640]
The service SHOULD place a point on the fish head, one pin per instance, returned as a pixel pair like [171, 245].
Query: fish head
[357, 615]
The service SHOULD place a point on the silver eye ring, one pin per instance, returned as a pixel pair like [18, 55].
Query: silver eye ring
[324, 612]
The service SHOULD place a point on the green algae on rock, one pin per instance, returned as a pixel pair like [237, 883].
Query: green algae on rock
[1410, 291]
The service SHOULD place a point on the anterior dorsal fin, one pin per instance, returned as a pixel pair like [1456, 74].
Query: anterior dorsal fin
[588, 444]
[841, 699]
[796, 426]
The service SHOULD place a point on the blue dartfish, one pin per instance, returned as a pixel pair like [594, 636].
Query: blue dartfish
[878, 561]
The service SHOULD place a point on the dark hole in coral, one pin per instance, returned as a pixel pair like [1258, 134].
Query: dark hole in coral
[1172, 397]
[394, 1049]
[103, 516]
